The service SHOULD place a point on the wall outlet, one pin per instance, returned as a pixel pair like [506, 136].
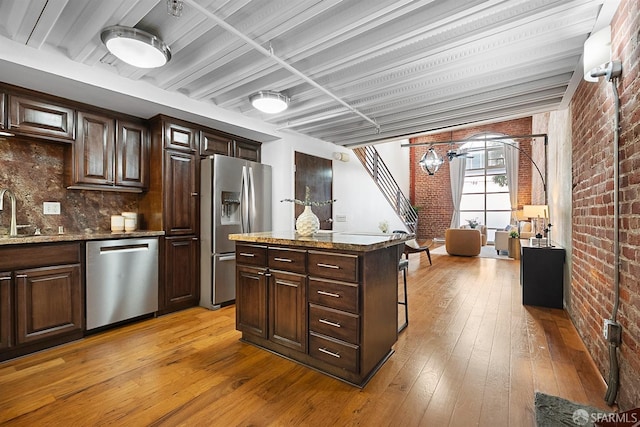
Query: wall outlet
[51, 208]
[341, 218]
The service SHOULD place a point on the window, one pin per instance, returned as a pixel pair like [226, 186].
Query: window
[485, 193]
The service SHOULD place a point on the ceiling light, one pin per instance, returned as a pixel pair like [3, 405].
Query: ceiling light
[269, 101]
[136, 47]
[430, 161]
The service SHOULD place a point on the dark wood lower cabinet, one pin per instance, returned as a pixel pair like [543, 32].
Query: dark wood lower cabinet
[41, 297]
[181, 282]
[6, 310]
[48, 302]
[251, 294]
[288, 309]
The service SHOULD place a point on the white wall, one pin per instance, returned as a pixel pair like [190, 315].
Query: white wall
[358, 197]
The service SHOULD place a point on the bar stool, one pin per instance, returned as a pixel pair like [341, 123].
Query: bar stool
[403, 265]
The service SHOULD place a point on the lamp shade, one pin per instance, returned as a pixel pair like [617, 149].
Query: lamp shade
[535, 211]
[269, 102]
[430, 161]
[597, 52]
[135, 47]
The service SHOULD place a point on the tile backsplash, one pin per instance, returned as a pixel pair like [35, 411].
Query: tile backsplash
[34, 171]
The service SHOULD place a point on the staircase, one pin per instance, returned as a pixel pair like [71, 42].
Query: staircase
[370, 159]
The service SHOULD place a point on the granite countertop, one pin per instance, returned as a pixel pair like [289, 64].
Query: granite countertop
[79, 236]
[362, 242]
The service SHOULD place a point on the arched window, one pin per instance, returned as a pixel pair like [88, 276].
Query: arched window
[485, 193]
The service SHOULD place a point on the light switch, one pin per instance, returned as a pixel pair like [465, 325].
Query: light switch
[51, 208]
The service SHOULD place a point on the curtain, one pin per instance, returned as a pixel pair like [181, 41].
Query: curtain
[457, 169]
[511, 159]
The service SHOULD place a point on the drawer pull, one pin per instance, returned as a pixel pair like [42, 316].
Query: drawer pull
[5, 278]
[247, 254]
[330, 353]
[329, 294]
[21, 276]
[282, 259]
[335, 267]
[330, 323]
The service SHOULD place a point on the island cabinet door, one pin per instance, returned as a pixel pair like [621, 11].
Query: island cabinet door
[288, 309]
[251, 300]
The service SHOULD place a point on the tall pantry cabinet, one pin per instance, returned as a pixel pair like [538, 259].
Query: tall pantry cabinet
[172, 205]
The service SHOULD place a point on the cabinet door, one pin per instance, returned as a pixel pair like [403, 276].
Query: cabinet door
[179, 137]
[6, 312]
[288, 310]
[30, 116]
[181, 196]
[181, 281]
[211, 144]
[247, 150]
[48, 302]
[251, 300]
[93, 151]
[132, 155]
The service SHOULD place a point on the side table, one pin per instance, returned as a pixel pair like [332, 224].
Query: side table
[542, 275]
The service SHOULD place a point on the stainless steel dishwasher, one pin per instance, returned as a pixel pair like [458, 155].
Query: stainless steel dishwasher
[122, 280]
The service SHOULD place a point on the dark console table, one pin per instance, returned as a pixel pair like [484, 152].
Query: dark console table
[542, 275]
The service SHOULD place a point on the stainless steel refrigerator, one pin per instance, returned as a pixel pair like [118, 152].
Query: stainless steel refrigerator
[236, 198]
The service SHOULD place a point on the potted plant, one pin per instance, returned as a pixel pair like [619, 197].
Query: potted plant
[514, 244]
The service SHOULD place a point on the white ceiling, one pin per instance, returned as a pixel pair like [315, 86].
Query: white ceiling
[357, 71]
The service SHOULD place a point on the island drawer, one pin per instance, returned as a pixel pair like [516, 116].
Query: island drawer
[251, 255]
[333, 266]
[294, 260]
[338, 295]
[334, 352]
[334, 323]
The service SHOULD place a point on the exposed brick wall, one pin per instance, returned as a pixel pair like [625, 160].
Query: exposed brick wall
[432, 194]
[592, 238]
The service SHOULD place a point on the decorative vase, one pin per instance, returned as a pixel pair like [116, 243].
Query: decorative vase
[307, 223]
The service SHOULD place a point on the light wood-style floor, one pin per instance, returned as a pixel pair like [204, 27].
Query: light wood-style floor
[471, 355]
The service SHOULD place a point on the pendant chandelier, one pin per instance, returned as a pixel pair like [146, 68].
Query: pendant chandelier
[430, 161]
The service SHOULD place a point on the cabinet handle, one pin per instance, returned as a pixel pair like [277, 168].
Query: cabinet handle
[5, 278]
[194, 238]
[335, 267]
[329, 294]
[330, 353]
[330, 323]
[194, 194]
[21, 276]
[282, 259]
[247, 254]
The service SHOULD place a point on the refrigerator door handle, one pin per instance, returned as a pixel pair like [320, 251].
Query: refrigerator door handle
[252, 201]
[244, 202]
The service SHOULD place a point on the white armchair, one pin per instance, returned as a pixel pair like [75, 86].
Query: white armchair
[501, 239]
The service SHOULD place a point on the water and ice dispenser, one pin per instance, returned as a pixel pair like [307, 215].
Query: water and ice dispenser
[230, 207]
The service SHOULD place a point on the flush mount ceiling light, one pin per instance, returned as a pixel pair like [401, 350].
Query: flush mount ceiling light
[136, 47]
[269, 101]
[430, 161]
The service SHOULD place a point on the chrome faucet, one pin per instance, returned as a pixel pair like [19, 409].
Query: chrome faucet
[13, 231]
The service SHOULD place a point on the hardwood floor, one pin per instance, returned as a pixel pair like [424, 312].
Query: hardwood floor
[471, 355]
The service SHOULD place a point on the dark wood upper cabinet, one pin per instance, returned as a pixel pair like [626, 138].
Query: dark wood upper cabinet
[132, 154]
[109, 154]
[247, 150]
[94, 150]
[211, 143]
[179, 136]
[41, 118]
[2, 110]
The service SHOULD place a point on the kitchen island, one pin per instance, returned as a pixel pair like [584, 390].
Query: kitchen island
[328, 301]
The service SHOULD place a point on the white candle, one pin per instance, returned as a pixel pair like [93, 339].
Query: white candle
[117, 223]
